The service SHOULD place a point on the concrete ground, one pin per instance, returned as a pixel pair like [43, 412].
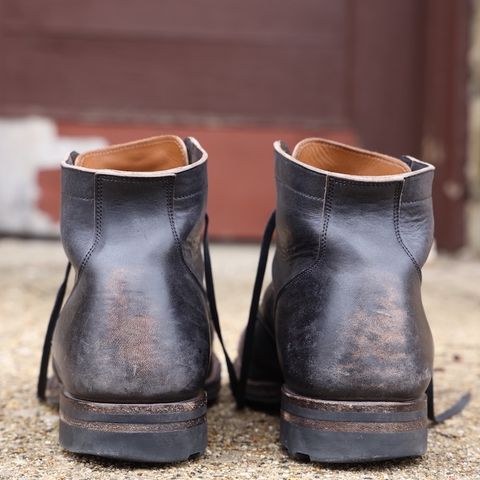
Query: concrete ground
[241, 444]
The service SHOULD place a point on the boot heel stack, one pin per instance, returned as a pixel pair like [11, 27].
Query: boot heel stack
[344, 432]
[158, 432]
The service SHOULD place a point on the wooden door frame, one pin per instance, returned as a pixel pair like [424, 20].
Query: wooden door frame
[444, 132]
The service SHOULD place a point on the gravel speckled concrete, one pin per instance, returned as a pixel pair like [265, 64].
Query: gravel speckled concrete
[241, 444]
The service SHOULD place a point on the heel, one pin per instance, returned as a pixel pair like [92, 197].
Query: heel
[158, 432]
[351, 432]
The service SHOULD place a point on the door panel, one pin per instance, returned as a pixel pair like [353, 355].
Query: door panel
[389, 76]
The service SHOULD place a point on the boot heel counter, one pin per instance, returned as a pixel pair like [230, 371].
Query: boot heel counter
[128, 351]
[352, 324]
[135, 327]
[377, 346]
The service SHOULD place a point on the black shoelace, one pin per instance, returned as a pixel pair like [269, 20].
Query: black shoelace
[213, 307]
[239, 392]
[250, 330]
[210, 291]
[47, 344]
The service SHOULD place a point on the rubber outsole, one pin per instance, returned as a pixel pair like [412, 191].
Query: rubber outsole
[352, 432]
[160, 433]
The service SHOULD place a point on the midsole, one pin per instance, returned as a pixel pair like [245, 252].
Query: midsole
[349, 426]
[120, 417]
[353, 416]
[132, 427]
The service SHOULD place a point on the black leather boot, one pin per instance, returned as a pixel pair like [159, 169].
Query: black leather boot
[341, 340]
[131, 350]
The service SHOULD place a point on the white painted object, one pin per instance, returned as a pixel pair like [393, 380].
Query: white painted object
[28, 145]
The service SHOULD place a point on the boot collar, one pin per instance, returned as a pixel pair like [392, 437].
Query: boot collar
[197, 155]
[417, 167]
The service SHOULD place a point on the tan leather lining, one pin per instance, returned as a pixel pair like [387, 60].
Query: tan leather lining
[338, 158]
[148, 155]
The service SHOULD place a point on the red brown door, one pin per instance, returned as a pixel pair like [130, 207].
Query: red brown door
[241, 74]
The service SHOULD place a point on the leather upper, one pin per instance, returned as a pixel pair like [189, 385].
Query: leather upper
[345, 310]
[135, 327]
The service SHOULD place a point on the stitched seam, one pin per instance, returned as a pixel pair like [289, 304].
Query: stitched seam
[416, 201]
[322, 244]
[78, 198]
[98, 222]
[139, 180]
[183, 197]
[362, 184]
[396, 223]
[326, 220]
[288, 187]
[99, 209]
[171, 217]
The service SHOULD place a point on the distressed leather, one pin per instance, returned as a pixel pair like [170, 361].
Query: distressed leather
[343, 318]
[136, 326]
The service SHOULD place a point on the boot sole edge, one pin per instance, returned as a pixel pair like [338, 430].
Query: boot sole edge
[156, 433]
[352, 432]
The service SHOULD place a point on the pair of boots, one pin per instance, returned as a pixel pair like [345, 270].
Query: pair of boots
[339, 343]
